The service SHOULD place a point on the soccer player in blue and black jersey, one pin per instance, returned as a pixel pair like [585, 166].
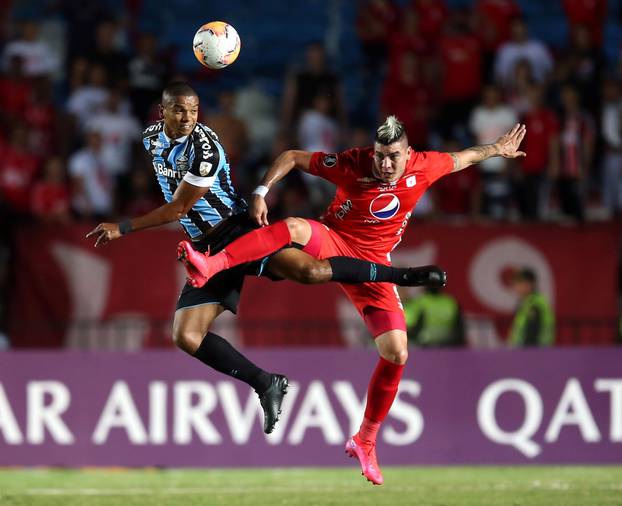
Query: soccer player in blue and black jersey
[194, 175]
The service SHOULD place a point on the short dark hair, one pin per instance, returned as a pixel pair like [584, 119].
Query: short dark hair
[178, 89]
[390, 131]
[526, 274]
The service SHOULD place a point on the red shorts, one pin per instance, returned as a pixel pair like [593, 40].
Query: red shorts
[378, 303]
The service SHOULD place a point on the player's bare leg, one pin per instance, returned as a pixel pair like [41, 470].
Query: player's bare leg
[298, 266]
[191, 334]
[393, 350]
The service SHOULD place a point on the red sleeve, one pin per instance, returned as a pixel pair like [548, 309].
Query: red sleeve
[335, 167]
[435, 165]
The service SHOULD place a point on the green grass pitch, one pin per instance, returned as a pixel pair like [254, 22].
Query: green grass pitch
[429, 486]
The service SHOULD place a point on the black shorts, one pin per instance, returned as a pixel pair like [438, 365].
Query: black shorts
[226, 286]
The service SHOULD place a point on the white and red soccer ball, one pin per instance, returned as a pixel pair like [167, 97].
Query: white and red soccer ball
[216, 44]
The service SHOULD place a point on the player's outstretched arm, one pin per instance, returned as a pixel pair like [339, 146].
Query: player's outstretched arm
[184, 198]
[284, 163]
[506, 146]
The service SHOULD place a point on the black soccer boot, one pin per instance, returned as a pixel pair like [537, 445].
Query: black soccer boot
[427, 275]
[271, 401]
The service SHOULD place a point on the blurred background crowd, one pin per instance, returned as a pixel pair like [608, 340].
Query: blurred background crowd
[79, 82]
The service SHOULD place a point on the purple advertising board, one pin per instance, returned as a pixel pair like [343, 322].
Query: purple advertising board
[162, 408]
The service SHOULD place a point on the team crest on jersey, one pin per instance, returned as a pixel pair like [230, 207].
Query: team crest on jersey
[329, 160]
[411, 181]
[384, 206]
[182, 162]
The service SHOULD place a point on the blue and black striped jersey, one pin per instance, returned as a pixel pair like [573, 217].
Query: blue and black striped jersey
[198, 159]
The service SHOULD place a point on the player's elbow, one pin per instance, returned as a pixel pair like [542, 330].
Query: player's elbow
[289, 158]
[178, 209]
[296, 158]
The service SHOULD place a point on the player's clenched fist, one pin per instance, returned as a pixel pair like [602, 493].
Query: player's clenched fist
[104, 233]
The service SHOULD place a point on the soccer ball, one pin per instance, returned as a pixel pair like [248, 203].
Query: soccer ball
[216, 44]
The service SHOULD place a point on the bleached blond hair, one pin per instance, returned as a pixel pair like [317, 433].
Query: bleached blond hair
[390, 131]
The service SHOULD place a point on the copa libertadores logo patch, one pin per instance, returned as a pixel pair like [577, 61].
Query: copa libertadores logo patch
[329, 160]
[384, 206]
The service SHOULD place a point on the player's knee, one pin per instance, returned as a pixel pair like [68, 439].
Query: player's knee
[397, 355]
[299, 230]
[315, 272]
[187, 340]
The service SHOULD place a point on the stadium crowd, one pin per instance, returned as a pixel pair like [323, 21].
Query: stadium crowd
[73, 105]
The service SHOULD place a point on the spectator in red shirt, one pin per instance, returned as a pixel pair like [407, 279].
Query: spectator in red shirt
[541, 143]
[459, 195]
[375, 21]
[408, 98]
[50, 196]
[41, 119]
[433, 14]
[407, 39]
[576, 149]
[18, 170]
[493, 19]
[461, 68]
[591, 13]
[15, 91]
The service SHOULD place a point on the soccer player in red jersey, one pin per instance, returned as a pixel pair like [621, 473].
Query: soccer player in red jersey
[377, 189]
[191, 167]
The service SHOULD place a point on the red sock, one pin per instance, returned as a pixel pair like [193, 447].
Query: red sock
[256, 244]
[380, 395]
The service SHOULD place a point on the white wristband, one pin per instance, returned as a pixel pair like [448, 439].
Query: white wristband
[261, 190]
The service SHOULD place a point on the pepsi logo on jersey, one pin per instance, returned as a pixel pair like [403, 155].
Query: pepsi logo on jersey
[384, 206]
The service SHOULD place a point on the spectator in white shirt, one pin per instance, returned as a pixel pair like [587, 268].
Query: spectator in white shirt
[489, 120]
[91, 97]
[318, 131]
[118, 130]
[521, 47]
[38, 59]
[92, 184]
[612, 135]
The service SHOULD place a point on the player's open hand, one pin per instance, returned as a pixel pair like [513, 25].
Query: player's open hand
[508, 143]
[104, 233]
[258, 210]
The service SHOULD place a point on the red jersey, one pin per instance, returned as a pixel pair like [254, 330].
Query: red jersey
[50, 199]
[369, 214]
[542, 125]
[462, 63]
[591, 13]
[496, 20]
